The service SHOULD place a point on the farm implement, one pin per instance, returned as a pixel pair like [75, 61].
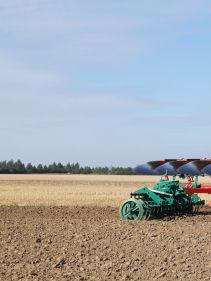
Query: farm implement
[168, 196]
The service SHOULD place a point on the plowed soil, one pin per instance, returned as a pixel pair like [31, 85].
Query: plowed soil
[91, 243]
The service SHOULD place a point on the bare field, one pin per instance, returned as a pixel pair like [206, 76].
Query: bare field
[72, 190]
[67, 228]
[91, 244]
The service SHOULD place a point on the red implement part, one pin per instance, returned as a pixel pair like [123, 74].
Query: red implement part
[203, 189]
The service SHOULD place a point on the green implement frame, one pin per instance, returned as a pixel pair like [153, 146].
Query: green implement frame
[167, 197]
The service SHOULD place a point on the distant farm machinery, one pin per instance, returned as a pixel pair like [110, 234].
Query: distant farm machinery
[168, 197]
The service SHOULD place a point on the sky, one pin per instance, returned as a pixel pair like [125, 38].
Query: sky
[114, 83]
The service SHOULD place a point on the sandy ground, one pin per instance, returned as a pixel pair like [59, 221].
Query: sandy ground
[83, 239]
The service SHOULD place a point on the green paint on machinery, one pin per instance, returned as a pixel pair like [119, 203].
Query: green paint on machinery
[167, 197]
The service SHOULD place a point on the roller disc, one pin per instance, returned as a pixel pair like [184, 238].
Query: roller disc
[131, 209]
[159, 212]
[190, 208]
[195, 208]
[154, 211]
[147, 214]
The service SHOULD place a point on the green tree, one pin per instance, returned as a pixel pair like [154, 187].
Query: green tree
[29, 168]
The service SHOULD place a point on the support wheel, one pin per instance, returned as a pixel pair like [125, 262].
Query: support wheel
[132, 209]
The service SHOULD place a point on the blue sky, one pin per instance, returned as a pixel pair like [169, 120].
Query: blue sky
[104, 82]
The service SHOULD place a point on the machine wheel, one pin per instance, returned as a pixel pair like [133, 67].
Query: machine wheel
[147, 214]
[132, 209]
[159, 212]
[195, 208]
[154, 211]
[189, 208]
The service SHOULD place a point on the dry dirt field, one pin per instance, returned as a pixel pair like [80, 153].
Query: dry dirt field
[68, 228]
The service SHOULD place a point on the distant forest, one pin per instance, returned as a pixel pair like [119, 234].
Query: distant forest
[17, 167]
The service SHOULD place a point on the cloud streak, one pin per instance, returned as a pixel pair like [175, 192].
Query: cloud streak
[14, 71]
[94, 34]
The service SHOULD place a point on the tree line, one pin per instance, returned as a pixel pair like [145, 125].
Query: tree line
[18, 167]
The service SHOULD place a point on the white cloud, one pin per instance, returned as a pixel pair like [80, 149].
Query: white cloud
[99, 32]
[57, 109]
[53, 16]
[13, 72]
[107, 102]
[20, 4]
